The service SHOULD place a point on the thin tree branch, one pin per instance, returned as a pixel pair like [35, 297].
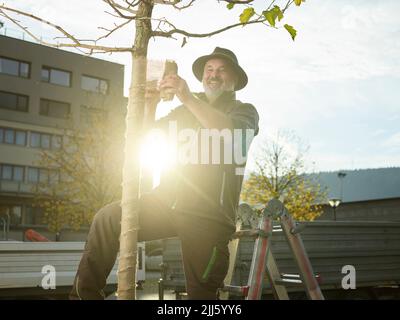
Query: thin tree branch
[113, 14]
[270, 5]
[116, 8]
[238, 1]
[168, 34]
[290, 179]
[77, 43]
[288, 4]
[112, 30]
[167, 2]
[185, 6]
[132, 3]
[165, 21]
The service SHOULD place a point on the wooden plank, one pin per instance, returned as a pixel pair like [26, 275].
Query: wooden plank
[358, 224]
[347, 237]
[41, 246]
[28, 269]
[17, 280]
[40, 257]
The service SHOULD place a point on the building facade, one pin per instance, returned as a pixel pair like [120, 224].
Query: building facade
[43, 92]
[365, 194]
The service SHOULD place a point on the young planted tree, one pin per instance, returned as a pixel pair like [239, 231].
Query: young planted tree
[280, 174]
[148, 26]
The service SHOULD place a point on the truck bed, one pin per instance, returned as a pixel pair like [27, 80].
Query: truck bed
[21, 266]
[372, 247]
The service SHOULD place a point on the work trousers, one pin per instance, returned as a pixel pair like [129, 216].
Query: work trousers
[204, 247]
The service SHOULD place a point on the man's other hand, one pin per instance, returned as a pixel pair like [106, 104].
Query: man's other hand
[175, 84]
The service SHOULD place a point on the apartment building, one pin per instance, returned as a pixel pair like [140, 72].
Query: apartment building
[44, 91]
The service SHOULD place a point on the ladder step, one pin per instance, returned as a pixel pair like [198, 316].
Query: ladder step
[250, 233]
[294, 279]
[295, 282]
[290, 275]
[239, 290]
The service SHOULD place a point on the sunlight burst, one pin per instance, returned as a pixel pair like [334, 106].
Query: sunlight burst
[156, 155]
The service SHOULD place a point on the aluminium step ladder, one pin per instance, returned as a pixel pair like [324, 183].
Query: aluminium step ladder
[263, 261]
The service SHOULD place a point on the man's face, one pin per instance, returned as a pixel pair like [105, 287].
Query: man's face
[218, 76]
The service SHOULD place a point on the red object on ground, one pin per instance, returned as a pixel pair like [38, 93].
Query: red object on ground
[34, 236]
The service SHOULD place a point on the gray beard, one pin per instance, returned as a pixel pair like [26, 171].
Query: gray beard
[213, 95]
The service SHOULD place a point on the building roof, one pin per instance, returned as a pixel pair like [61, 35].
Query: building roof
[362, 185]
[58, 51]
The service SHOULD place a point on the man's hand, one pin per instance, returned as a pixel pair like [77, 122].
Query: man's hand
[208, 116]
[178, 86]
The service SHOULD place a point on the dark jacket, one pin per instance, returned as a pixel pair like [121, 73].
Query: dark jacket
[208, 190]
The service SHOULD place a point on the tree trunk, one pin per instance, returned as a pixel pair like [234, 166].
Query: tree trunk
[131, 168]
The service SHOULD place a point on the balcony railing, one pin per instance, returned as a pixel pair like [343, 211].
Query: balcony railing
[19, 34]
[17, 187]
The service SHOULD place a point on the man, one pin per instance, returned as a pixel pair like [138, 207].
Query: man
[196, 202]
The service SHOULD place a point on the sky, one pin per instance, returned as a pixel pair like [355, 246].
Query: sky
[336, 86]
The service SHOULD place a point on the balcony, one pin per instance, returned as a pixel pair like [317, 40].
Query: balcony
[17, 188]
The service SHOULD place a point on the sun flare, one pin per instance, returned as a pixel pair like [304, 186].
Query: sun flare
[156, 155]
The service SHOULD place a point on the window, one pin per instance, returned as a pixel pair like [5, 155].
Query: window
[43, 175]
[36, 175]
[16, 215]
[54, 109]
[9, 136]
[12, 172]
[94, 84]
[56, 142]
[45, 140]
[55, 76]
[13, 136]
[18, 174]
[20, 137]
[33, 175]
[45, 74]
[33, 215]
[6, 172]
[12, 211]
[14, 67]
[35, 140]
[13, 101]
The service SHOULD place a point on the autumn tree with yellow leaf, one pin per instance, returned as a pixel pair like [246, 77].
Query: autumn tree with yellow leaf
[280, 173]
[84, 174]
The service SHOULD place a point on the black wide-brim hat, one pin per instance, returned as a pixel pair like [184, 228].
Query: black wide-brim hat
[227, 55]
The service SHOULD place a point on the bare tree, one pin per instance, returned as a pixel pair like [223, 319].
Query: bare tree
[146, 26]
[280, 173]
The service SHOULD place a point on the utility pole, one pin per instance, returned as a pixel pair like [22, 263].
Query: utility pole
[341, 175]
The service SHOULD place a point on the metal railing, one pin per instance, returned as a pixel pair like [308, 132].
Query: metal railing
[17, 187]
[19, 34]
